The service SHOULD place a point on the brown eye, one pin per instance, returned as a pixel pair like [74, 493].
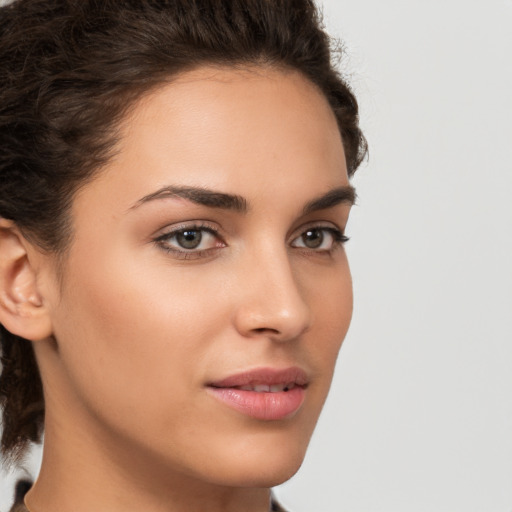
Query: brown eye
[194, 241]
[313, 238]
[189, 239]
[319, 239]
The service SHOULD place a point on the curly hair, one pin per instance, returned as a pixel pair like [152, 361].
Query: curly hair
[69, 72]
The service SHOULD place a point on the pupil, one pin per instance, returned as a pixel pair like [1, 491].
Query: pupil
[189, 239]
[313, 238]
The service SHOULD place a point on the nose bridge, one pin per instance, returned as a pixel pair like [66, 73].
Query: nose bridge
[273, 302]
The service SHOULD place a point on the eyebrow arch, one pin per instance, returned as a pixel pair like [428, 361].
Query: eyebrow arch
[213, 199]
[200, 196]
[345, 194]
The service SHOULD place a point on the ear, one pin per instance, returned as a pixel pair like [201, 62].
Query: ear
[22, 308]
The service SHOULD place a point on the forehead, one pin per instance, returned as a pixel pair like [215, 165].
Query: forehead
[242, 131]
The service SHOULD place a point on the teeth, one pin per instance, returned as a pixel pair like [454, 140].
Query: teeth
[263, 388]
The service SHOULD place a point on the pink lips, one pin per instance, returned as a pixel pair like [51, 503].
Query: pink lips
[264, 394]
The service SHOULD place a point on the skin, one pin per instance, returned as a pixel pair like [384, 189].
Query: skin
[131, 332]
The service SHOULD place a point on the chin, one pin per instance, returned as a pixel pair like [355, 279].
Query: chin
[265, 475]
[272, 476]
[266, 465]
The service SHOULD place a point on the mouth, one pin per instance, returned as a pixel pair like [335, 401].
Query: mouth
[264, 394]
[265, 388]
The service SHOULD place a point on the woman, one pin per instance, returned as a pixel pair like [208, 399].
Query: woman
[175, 189]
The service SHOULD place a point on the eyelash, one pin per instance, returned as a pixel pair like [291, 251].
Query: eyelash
[184, 254]
[338, 239]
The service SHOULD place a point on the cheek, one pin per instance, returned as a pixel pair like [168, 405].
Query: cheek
[331, 300]
[133, 334]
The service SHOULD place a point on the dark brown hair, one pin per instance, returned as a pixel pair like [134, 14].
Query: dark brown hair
[70, 69]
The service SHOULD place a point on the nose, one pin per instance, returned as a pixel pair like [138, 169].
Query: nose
[271, 302]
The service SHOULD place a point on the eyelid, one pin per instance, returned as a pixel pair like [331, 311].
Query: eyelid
[316, 224]
[171, 229]
[162, 239]
[336, 233]
[163, 236]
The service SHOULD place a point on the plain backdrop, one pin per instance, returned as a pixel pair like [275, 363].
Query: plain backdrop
[420, 413]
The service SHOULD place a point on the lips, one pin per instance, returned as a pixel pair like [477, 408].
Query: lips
[264, 394]
[265, 388]
[264, 376]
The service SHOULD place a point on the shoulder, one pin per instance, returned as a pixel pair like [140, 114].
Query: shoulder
[18, 507]
[274, 508]
[22, 487]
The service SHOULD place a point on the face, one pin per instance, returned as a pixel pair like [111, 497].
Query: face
[206, 293]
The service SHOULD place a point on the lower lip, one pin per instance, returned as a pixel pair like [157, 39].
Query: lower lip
[261, 405]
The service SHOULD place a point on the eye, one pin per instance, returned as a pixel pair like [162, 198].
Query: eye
[320, 239]
[190, 241]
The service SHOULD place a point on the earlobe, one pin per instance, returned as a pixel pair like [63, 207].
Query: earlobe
[22, 309]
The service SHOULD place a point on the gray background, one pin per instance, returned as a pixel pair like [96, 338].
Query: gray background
[420, 415]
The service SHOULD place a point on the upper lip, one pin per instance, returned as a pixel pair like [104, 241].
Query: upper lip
[267, 376]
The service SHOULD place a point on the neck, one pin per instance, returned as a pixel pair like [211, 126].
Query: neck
[79, 475]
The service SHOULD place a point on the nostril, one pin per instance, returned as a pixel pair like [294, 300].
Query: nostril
[261, 330]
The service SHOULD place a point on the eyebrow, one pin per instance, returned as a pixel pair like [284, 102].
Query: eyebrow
[222, 200]
[345, 194]
[198, 195]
